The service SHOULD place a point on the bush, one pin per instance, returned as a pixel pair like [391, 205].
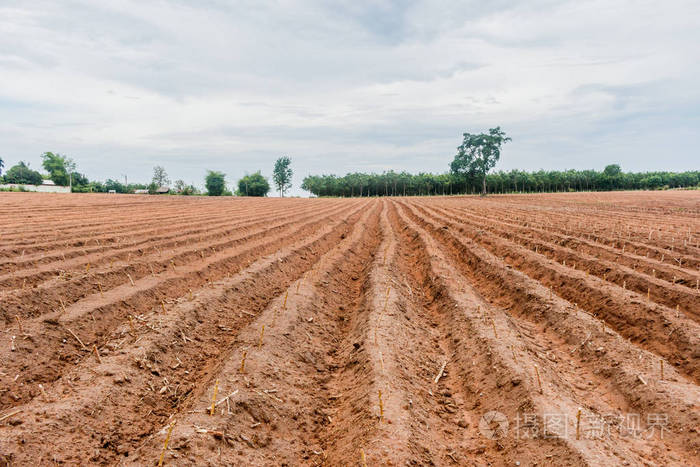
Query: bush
[215, 183]
[23, 175]
[253, 185]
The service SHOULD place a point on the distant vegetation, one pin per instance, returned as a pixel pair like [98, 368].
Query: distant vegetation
[478, 154]
[468, 174]
[215, 182]
[62, 171]
[282, 174]
[23, 175]
[515, 181]
[253, 185]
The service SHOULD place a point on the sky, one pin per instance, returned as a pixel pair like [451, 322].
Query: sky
[123, 85]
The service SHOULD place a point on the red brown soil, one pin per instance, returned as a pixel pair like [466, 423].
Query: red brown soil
[541, 308]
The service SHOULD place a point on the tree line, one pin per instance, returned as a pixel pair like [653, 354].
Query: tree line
[62, 171]
[469, 174]
[515, 181]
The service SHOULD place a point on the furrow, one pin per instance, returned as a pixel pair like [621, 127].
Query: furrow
[646, 324]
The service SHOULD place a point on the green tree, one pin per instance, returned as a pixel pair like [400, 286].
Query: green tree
[160, 176]
[59, 167]
[115, 185]
[21, 174]
[253, 185]
[478, 154]
[80, 183]
[282, 174]
[612, 170]
[215, 183]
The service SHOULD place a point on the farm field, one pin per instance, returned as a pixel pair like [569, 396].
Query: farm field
[542, 329]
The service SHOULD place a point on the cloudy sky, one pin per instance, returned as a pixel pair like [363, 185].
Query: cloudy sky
[123, 85]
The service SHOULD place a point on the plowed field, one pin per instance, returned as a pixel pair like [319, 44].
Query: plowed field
[557, 329]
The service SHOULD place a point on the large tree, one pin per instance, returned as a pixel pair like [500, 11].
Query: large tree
[215, 183]
[21, 174]
[282, 174]
[253, 185]
[478, 154]
[59, 167]
[160, 176]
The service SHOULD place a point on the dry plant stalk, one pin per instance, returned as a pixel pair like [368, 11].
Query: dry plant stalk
[661, 364]
[77, 338]
[99, 285]
[97, 354]
[19, 323]
[190, 291]
[242, 369]
[442, 369]
[363, 459]
[130, 280]
[172, 263]
[162, 305]
[381, 406]
[63, 307]
[578, 424]
[262, 333]
[87, 268]
[284, 305]
[493, 323]
[213, 398]
[539, 382]
[165, 446]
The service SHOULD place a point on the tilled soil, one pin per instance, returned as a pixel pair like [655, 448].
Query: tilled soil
[557, 329]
